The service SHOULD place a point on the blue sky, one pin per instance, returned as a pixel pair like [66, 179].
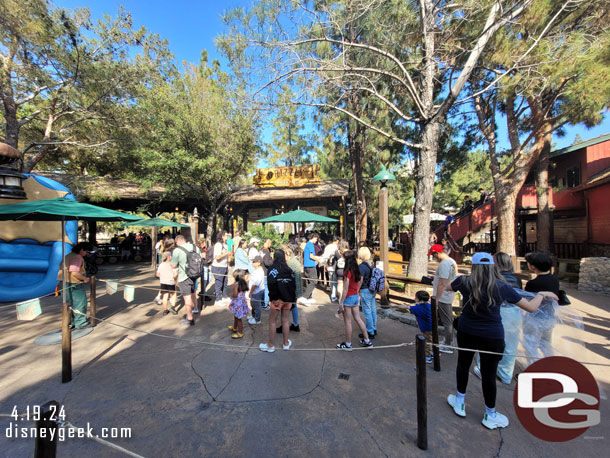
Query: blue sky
[191, 26]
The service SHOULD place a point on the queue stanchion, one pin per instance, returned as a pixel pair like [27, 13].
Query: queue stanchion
[46, 442]
[422, 401]
[92, 301]
[435, 349]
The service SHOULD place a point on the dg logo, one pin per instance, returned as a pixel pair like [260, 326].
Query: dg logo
[557, 399]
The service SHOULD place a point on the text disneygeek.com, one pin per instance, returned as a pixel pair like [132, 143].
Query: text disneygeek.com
[17, 431]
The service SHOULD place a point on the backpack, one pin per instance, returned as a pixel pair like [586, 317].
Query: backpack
[194, 263]
[209, 256]
[332, 260]
[377, 283]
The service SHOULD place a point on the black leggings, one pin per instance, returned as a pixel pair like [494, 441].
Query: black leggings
[489, 364]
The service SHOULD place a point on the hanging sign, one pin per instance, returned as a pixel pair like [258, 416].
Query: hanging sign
[28, 310]
[291, 177]
[322, 211]
[111, 287]
[259, 213]
[128, 293]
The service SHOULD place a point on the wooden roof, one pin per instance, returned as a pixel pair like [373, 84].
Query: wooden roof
[100, 189]
[324, 190]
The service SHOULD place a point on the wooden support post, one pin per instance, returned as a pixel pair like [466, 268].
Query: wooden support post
[383, 242]
[422, 401]
[66, 341]
[92, 301]
[435, 350]
[46, 443]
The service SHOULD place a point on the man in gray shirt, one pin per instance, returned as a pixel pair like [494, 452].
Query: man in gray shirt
[186, 284]
[444, 275]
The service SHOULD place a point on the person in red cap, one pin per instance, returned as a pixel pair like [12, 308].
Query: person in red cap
[444, 275]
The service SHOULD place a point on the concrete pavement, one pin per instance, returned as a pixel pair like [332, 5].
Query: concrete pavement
[184, 398]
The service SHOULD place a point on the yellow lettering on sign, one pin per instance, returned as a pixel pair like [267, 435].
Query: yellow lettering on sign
[290, 177]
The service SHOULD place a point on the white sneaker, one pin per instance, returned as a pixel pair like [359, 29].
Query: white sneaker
[311, 301]
[219, 304]
[459, 410]
[301, 300]
[287, 347]
[264, 347]
[253, 321]
[477, 371]
[497, 421]
[195, 310]
[445, 350]
[226, 300]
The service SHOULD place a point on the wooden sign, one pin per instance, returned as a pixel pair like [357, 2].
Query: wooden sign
[290, 177]
[322, 211]
[255, 214]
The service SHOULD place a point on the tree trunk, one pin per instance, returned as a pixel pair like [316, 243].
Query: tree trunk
[356, 132]
[543, 223]
[506, 203]
[424, 191]
[210, 221]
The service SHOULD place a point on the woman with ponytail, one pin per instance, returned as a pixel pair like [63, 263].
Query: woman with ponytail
[480, 328]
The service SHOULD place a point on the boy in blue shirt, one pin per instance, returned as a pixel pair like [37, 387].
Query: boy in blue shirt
[423, 314]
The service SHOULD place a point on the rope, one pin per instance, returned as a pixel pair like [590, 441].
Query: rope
[505, 354]
[241, 347]
[102, 441]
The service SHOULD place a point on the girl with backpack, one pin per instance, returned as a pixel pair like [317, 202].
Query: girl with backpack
[480, 328]
[367, 297]
[348, 303]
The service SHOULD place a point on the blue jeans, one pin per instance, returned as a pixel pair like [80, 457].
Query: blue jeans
[369, 308]
[205, 279]
[221, 282]
[266, 294]
[512, 321]
[333, 284]
[256, 302]
[295, 315]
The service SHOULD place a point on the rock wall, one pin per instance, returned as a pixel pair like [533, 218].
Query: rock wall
[594, 275]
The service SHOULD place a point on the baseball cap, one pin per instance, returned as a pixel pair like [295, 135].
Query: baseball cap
[436, 248]
[258, 260]
[254, 240]
[483, 258]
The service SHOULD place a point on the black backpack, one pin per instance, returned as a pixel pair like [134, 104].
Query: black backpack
[194, 263]
[209, 256]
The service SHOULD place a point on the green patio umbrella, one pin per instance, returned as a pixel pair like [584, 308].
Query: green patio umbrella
[62, 209]
[298, 216]
[155, 222]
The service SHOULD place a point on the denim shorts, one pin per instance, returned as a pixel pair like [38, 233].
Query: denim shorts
[351, 301]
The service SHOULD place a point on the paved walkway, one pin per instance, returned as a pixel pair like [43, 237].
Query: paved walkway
[188, 399]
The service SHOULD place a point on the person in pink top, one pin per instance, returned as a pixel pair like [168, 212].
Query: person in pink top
[167, 277]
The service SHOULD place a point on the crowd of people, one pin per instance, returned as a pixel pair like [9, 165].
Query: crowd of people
[283, 279]
[269, 280]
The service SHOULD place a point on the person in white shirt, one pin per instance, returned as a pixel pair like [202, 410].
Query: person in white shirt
[253, 252]
[167, 278]
[220, 268]
[445, 274]
[257, 290]
[330, 256]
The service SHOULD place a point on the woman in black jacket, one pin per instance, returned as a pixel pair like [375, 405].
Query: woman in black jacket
[282, 294]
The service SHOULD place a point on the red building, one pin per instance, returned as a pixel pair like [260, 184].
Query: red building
[579, 176]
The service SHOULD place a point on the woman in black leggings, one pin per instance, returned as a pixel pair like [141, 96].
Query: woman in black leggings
[480, 328]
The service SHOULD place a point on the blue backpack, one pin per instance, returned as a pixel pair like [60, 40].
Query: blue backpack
[377, 283]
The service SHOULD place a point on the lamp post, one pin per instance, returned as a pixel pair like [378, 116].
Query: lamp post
[383, 177]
